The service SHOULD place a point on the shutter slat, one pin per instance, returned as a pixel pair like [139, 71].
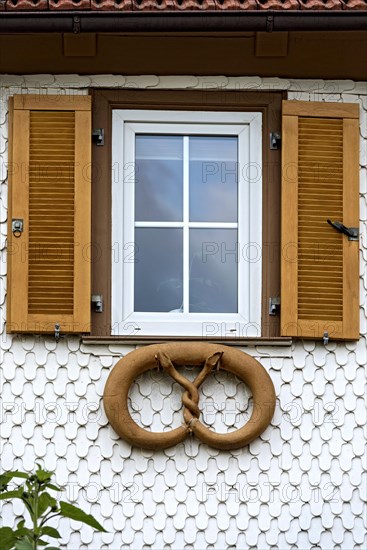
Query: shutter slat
[315, 296]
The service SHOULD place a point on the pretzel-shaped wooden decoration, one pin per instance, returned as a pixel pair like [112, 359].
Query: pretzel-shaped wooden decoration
[168, 356]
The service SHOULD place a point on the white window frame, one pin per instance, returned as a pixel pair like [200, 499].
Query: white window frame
[247, 127]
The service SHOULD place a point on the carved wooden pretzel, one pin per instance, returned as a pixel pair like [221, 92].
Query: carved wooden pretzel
[168, 356]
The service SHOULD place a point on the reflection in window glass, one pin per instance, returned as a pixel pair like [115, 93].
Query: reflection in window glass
[158, 269]
[213, 271]
[158, 178]
[213, 178]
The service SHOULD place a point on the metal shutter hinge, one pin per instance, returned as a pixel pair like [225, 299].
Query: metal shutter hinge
[274, 305]
[98, 136]
[97, 303]
[275, 140]
[57, 332]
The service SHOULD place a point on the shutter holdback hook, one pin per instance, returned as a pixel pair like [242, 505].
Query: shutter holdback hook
[351, 232]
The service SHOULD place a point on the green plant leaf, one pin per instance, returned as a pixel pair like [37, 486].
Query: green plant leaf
[45, 501]
[50, 532]
[72, 512]
[21, 524]
[42, 542]
[54, 487]
[43, 475]
[16, 473]
[23, 545]
[23, 532]
[52, 548]
[4, 480]
[7, 477]
[7, 538]
[12, 494]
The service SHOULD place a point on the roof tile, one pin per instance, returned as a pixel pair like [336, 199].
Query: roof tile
[37, 5]
[278, 5]
[354, 4]
[321, 4]
[112, 5]
[236, 4]
[68, 4]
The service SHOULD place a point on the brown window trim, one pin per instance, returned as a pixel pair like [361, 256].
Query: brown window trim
[104, 101]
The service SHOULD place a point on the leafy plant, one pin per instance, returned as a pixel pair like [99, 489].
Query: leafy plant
[41, 506]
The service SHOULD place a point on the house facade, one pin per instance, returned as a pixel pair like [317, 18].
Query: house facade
[302, 483]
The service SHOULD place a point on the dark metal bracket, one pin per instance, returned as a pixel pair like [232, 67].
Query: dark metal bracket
[269, 23]
[76, 25]
[97, 303]
[98, 136]
[275, 140]
[351, 232]
[274, 305]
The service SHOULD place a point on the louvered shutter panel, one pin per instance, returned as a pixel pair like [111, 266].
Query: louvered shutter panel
[320, 181]
[49, 262]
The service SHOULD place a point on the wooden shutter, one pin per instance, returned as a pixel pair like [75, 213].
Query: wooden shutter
[320, 181]
[50, 190]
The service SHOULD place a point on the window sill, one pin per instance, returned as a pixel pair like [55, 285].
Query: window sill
[146, 340]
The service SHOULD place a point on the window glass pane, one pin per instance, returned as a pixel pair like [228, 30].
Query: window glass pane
[213, 270]
[158, 269]
[213, 179]
[158, 178]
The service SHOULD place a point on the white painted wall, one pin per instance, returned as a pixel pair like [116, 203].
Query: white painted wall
[301, 485]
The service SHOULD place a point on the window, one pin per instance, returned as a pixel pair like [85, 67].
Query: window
[186, 223]
[171, 137]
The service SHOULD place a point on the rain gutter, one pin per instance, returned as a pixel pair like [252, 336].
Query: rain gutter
[189, 21]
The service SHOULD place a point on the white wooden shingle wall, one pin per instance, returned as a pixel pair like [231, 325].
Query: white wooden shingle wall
[302, 485]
